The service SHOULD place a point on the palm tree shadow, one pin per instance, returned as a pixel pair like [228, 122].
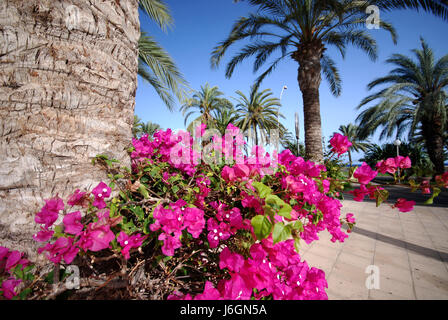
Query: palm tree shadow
[427, 252]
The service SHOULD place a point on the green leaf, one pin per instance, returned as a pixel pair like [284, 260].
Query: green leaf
[381, 196]
[122, 195]
[262, 226]
[28, 269]
[29, 277]
[435, 192]
[24, 293]
[18, 272]
[298, 225]
[281, 232]
[146, 224]
[139, 213]
[274, 200]
[50, 277]
[263, 190]
[283, 208]
[285, 211]
[58, 231]
[129, 227]
[269, 211]
[143, 191]
[297, 244]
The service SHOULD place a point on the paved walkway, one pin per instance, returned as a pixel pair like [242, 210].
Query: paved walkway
[409, 249]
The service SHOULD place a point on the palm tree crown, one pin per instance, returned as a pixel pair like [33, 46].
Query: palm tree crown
[204, 101]
[140, 128]
[258, 113]
[222, 117]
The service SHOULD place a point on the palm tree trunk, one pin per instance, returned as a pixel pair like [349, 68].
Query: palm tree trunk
[433, 134]
[309, 77]
[350, 157]
[69, 77]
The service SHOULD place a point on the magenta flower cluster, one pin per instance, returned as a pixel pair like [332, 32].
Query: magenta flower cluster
[94, 236]
[391, 165]
[173, 220]
[9, 260]
[272, 270]
[340, 144]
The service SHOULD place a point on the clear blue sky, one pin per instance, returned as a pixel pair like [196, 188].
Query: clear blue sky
[201, 24]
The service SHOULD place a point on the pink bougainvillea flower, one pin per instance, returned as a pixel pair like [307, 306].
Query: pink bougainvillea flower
[241, 171]
[3, 252]
[387, 166]
[232, 261]
[350, 218]
[176, 295]
[340, 144]
[49, 212]
[78, 198]
[365, 174]
[426, 187]
[170, 243]
[194, 221]
[105, 219]
[129, 242]
[9, 288]
[13, 260]
[62, 248]
[209, 293]
[97, 237]
[443, 179]
[235, 289]
[403, 205]
[228, 174]
[403, 162]
[217, 232]
[72, 223]
[43, 235]
[232, 130]
[101, 191]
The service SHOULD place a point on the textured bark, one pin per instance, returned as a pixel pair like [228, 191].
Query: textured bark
[68, 79]
[433, 133]
[309, 77]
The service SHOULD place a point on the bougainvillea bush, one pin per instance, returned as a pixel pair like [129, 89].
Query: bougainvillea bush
[195, 217]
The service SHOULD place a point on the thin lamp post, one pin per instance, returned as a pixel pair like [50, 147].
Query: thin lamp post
[278, 109]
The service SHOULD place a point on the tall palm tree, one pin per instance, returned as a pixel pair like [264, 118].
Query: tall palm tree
[414, 97]
[351, 132]
[302, 30]
[204, 101]
[258, 113]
